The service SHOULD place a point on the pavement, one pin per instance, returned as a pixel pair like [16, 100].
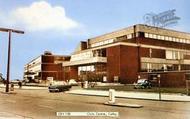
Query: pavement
[133, 95]
[118, 94]
[27, 87]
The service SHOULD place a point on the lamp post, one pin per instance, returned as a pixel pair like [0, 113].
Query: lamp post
[159, 86]
[9, 52]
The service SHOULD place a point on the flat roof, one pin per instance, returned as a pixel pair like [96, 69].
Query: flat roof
[141, 28]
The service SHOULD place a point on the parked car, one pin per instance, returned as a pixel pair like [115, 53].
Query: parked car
[59, 88]
[142, 83]
[72, 82]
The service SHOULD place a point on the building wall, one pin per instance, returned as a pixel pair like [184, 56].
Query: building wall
[113, 62]
[48, 58]
[151, 46]
[52, 70]
[45, 66]
[73, 74]
[173, 79]
[122, 61]
[129, 64]
[168, 79]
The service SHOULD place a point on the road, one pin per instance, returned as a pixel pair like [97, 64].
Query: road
[40, 104]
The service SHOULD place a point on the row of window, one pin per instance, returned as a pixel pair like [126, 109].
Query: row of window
[86, 68]
[167, 38]
[102, 43]
[129, 36]
[82, 56]
[176, 55]
[150, 67]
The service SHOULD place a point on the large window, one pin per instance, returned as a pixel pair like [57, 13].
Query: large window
[167, 38]
[154, 67]
[82, 56]
[176, 55]
[151, 67]
[185, 67]
[85, 69]
[102, 43]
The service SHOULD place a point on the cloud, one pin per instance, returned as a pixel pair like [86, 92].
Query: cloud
[41, 16]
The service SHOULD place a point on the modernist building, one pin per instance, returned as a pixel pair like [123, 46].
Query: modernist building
[44, 68]
[126, 54]
[121, 56]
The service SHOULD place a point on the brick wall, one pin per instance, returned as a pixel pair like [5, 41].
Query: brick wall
[113, 62]
[122, 61]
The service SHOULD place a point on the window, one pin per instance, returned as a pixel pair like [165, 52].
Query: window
[174, 39]
[129, 36]
[187, 41]
[169, 55]
[158, 36]
[177, 40]
[106, 42]
[185, 67]
[170, 38]
[181, 40]
[184, 40]
[166, 38]
[146, 35]
[110, 40]
[150, 36]
[154, 36]
[151, 67]
[157, 67]
[143, 66]
[162, 37]
[176, 55]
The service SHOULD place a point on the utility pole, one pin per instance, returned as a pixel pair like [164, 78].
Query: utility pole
[9, 52]
[159, 90]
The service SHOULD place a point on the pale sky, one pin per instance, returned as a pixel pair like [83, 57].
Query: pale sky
[59, 25]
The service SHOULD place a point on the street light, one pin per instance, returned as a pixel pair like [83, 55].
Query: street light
[9, 52]
[159, 86]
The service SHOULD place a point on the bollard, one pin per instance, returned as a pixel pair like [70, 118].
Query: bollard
[86, 84]
[111, 96]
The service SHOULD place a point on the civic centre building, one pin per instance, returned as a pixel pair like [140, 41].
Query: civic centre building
[44, 68]
[131, 53]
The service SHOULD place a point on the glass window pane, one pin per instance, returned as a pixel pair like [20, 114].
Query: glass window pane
[169, 54]
[146, 35]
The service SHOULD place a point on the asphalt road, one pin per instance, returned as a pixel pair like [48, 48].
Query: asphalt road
[40, 104]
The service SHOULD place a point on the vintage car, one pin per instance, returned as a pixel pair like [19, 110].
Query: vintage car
[59, 88]
[142, 84]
